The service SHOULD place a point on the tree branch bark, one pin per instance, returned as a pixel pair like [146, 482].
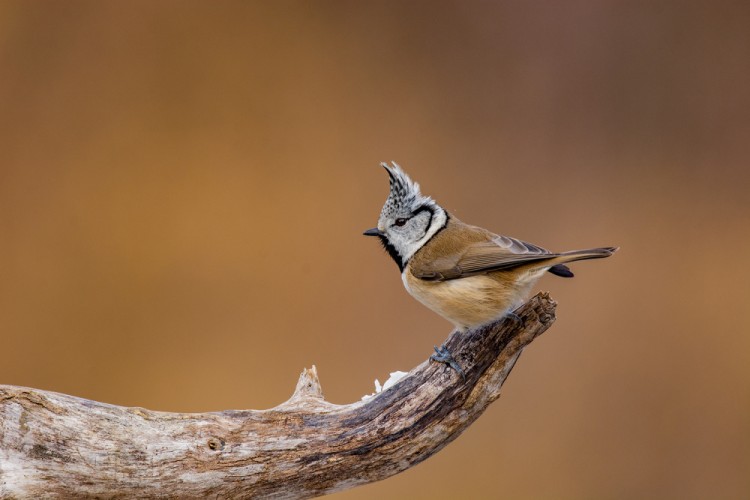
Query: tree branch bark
[58, 446]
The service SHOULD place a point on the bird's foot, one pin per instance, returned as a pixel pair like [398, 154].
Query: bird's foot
[442, 355]
[515, 318]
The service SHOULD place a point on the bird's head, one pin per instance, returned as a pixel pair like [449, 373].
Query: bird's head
[408, 219]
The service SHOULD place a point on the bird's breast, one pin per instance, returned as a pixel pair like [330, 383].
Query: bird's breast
[465, 302]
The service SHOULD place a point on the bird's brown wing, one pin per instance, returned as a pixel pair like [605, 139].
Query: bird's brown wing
[499, 253]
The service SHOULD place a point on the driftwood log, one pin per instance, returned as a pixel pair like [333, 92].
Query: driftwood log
[58, 446]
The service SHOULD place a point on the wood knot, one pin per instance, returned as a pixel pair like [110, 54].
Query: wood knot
[545, 318]
[216, 444]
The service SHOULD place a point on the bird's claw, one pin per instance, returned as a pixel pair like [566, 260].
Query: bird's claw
[442, 355]
[515, 318]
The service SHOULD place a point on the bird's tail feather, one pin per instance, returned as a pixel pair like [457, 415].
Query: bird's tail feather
[591, 253]
[560, 269]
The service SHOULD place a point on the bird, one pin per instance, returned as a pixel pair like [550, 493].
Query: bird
[466, 274]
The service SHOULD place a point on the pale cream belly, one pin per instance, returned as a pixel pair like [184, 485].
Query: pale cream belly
[475, 300]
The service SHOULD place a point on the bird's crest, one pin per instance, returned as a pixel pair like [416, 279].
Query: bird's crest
[405, 195]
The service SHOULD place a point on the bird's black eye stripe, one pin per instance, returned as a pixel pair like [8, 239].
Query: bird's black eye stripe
[400, 222]
[423, 208]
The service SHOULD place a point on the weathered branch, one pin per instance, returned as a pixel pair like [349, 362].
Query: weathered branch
[58, 446]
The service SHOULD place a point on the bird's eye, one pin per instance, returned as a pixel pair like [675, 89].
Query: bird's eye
[400, 222]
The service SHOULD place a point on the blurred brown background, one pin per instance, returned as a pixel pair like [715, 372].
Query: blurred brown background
[183, 187]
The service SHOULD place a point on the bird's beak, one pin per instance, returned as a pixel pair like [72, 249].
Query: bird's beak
[373, 232]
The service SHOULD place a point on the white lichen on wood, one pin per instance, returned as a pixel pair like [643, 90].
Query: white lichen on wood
[392, 379]
[58, 446]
